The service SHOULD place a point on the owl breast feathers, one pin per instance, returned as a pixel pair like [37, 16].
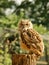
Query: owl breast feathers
[31, 40]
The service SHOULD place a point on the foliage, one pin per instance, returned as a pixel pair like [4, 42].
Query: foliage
[37, 11]
[10, 21]
[41, 29]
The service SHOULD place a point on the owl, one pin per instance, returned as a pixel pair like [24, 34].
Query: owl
[30, 39]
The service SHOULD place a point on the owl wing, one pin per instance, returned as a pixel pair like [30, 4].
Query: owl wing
[33, 41]
[36, 41]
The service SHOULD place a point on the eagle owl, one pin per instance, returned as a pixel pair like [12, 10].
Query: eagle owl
[30, 40]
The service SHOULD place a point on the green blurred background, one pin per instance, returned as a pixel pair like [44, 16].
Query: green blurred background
[11, 11]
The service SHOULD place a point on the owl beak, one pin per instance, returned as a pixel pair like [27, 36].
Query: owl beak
[24, 29]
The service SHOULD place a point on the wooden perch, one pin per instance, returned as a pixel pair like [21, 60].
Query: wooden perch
[23, 59]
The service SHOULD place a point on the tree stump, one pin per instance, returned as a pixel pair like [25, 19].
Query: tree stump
[23, 59]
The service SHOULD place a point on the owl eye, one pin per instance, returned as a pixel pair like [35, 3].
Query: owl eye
[26, 24]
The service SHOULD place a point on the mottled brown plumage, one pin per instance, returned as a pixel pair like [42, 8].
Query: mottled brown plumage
[30, 39]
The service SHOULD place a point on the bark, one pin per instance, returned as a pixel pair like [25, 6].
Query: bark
[23, 59]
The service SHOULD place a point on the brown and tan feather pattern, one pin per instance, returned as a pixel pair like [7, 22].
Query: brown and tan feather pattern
[30, 39]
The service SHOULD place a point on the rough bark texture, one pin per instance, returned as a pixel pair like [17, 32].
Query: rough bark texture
[23, 59]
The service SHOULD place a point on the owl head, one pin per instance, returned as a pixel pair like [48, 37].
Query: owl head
[25, 24]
